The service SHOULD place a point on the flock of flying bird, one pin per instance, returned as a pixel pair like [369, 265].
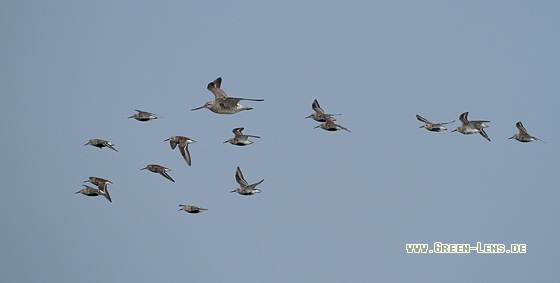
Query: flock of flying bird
[223, 104]
[475, 126]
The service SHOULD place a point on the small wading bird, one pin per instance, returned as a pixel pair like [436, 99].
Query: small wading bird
[432, 127]
[101, 185]
[472, 127]
[523, 136]
[191, 208]
[159, 169]
[330, 125]
[240, 139]
[223, 104]
[100, 143]
[183, 143]
[319, 114]
[144, 116]
[100, 182]
[245, 188]
[93, 192]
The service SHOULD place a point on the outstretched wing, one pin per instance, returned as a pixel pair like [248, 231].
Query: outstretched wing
[214, 87]
[315, 106]
[184, 148]
[483, 133]
[422, 119]
[237, 131]
[240, 179]
[463, 118]
[109, 145]
[522, 129]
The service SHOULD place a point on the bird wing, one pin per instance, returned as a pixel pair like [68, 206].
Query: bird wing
[103, 188]
[252, 186]
[344, 128]
[184, 148]
[214, 87]
[237, 131]
[230, 102]
[483, 133]
[109, 145]
[100, 180]
[218, 82]
[422, 119]
[522, 129]
[315, 106]
[173, 144]
[164, 174]
[239, 178]
[463, 118]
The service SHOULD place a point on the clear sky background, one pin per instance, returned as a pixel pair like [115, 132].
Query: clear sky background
[334, 206]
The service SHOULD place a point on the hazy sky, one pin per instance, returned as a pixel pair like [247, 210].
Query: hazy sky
[334, 206]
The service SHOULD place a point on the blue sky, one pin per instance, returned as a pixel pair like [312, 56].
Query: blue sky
[334, 206]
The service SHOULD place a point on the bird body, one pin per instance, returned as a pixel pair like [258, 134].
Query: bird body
[523, 136]
[472, 127]
[330, 125]
[430, 126]
[98, 181]
[101, 185]
[183, 143]
[143, 116]
[191, 208]
[160, 170]
[240, 139]
[223, 104]
[93, 192]
[101, 144]
[245, 189]
[320, 115]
